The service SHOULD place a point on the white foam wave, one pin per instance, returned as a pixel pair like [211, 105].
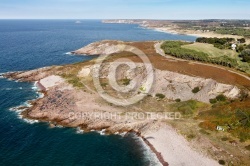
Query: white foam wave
[68, 53]
[1, 75]
[24, 106]
[150, 156]
[40, 95]
[28, 120]
[59, 126]
[17, 109]
[123, 134]
[28, 103]
[11, 88]
[20, 116]
[102, 132]
[34, 88]
[79, 130]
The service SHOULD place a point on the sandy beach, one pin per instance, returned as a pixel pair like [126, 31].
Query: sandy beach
[175, 149]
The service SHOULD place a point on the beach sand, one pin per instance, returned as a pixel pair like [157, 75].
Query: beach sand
[175, 149]
[51, 81]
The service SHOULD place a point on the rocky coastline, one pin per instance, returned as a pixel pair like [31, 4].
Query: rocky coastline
[66, 105]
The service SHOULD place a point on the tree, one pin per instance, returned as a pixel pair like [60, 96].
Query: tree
[242, 40]
[240, 48]
[245, 55]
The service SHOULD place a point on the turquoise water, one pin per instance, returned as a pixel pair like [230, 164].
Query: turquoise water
[30, 44]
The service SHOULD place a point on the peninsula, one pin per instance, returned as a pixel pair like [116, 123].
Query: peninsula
[207, 96]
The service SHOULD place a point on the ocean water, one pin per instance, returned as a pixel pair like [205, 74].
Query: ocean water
[30, 44]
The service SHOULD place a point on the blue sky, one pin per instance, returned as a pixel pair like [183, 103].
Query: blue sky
[130, 9]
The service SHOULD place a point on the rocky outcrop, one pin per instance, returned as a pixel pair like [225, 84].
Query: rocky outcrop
[32, 75]
[100, 48]
[178, 86]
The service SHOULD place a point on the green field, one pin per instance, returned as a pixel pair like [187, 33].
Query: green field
[211, 50]
[205, 53]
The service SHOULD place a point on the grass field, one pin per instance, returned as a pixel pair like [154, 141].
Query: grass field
[211, 50]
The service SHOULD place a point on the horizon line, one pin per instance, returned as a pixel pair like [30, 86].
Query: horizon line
[118, 19]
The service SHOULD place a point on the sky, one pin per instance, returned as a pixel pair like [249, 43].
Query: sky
[125, 9]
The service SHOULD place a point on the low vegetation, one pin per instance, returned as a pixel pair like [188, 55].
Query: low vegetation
[187, 108]
[248, 147]
[225, 27]
[73, 80]
[221, 98]
[233, 117]
[196, 90]
[221, 43]
[211, 50]
[213, 101]
[234, 31]
[179, 49]
[160, 96]
[191, 136]
[126, 81]
[222, 162]
[178, 100]
[245, 55]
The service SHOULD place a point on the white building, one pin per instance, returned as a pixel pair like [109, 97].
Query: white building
[234, 46]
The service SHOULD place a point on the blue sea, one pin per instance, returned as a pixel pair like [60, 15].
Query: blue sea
[31, 44]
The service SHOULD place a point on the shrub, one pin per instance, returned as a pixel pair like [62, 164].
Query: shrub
[178, 100]
[221, 98]
[126, 81]
[76, 82]
[191, 136]
[220, 43]
[104, 84]
[243, 135]
[224, 138]
[207, 125]
[187, 108]
[202, 131]
[248, 147]
[196, 90]
[213, 101]
[160, 96]
[222, 162]
[245, 55]
[242, 40]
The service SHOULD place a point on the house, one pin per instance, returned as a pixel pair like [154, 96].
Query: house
[234, 46]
